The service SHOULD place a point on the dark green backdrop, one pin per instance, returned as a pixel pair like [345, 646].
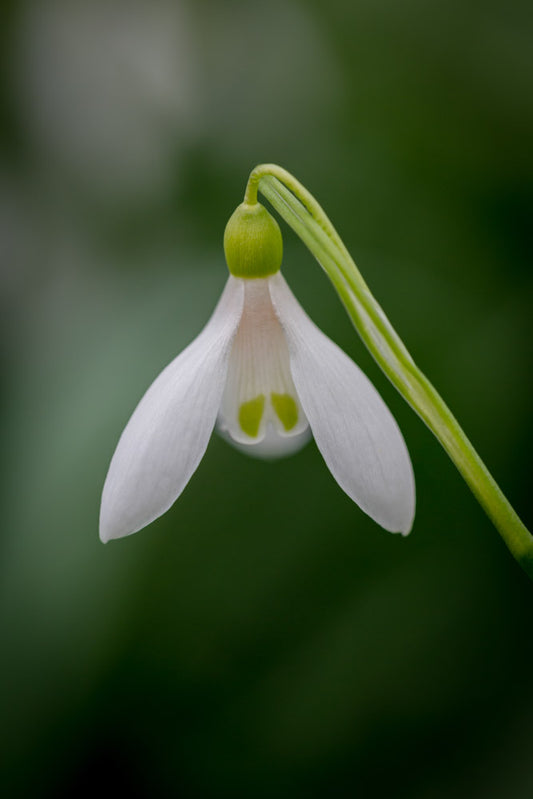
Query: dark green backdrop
[264, 638]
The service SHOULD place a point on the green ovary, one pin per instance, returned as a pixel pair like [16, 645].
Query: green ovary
[286, 410]
[250, 415]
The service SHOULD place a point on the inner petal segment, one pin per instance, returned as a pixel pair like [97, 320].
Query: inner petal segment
[260, 398]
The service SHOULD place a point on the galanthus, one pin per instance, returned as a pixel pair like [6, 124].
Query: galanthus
[269, 379]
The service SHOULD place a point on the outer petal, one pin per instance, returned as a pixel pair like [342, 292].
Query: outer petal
[169, 431]
[353, 428]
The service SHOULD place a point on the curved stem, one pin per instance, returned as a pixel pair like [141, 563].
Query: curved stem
[306, 217]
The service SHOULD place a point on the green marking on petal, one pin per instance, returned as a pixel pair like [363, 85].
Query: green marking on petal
[286, 409]
[250, 415]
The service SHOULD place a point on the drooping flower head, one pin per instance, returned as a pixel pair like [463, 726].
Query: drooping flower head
[263, 373]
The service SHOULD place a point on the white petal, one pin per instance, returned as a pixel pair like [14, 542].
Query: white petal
[260, 400]
[169, 431]
[272, 445]
[353, 428]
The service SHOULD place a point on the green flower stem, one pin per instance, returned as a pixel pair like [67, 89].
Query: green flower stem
[305, 216]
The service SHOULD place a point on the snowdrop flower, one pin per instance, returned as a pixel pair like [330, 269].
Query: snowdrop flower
[269, 378]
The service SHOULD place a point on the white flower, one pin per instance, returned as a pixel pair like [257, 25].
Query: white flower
[270, 377]
[269, 374]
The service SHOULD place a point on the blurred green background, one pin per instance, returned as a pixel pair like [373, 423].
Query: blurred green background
[263, 638]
